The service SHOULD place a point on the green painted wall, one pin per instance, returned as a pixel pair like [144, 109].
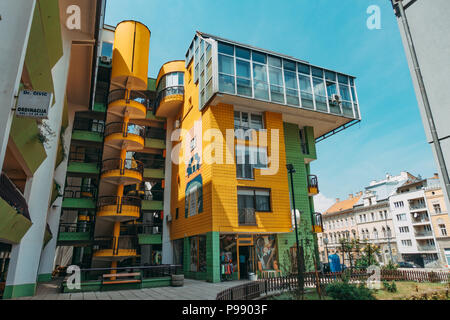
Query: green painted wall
[73, 236]
[87, 136]
[27, 141]
[21, 290]
[72, 203]
[155, 143]
[79, 167]
[302, 201]
[151, 116]
[45, 277]
[154, 173]
[51, 26]
[38, 62]
[13, 225]
[149, 205]
[150, 239]
[213, 257]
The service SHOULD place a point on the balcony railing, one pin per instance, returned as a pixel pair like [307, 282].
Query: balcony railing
[417, 206]
[119, 202]
[81, 226]
[85, 124]
[156, 133]
[424, 219]
[122, 94]
[125, 130]
[313, 184]
[426, 248]
[247, 217]
[141, 228]
[80, 192]
[423, 234]
[169, 91]
[85, 157]
[115, 243]
[12, 195]
[122, 165]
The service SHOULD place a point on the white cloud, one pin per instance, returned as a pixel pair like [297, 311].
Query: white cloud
[322, 203]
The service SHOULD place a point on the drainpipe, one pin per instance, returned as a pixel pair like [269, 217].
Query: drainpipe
[398, 4]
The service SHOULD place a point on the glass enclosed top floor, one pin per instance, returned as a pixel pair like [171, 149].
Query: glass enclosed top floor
[230, 68]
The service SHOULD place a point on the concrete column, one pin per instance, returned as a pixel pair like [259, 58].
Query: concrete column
[167, 247]
[25, 257]
[15, 24]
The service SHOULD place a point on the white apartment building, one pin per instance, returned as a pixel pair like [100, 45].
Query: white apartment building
[415, 237]
[374, 218]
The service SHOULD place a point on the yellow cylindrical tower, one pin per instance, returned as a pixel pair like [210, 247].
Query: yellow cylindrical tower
[126, 102]
[130, 56]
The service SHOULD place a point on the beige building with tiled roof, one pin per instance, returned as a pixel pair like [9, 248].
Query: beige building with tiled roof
[338, 223]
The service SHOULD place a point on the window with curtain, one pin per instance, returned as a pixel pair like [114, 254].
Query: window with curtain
[306, 91]
[257, 199]
[320, 94]
[260, 81]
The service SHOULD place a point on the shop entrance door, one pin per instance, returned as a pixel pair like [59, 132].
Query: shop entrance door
[244, 254]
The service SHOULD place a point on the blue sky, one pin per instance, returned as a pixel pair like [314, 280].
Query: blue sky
[329, 33]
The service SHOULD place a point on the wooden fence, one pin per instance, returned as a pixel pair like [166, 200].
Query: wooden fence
[255, 289]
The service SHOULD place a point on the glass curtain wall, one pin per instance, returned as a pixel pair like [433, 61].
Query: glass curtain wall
[254, 74]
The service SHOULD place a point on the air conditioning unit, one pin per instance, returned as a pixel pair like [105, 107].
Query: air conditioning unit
[105, 59]
[335, 98]
[169, 217]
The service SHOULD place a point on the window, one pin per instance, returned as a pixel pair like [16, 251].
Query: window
[107, 49]
[246, 120]
[437, 208]
[404, 229]
[257, 199]
[406, 243]
[443, 230]
[401, 217]
[249, 158]
[304, 141]
[399, 204]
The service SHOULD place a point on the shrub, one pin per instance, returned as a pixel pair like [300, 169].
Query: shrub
[346, 291]
[390, 266]
[390, 287]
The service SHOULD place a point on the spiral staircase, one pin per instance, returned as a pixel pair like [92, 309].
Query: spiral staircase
[122, 137]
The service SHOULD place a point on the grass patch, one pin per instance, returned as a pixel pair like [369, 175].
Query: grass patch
[406, 289]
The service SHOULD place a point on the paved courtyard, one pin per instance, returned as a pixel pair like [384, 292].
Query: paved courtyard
[192, 290]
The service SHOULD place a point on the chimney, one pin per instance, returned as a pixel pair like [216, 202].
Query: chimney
[436, 175]
[337, 199]
[350, 196]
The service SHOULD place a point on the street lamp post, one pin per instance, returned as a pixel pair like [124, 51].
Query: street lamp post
[291, 171]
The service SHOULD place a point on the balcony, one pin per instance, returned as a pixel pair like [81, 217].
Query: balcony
[115, 249]
[169, 101]
[153, 200]
[14, 215]
[123, 101]
[88, 130]
[147, 233]
[317, 223]
[79, 197]
[126, 172]
[75, 234]
[313, 185]
[426, 248]
[423, 234]
[82, 163]
[118, 135]
[420, 219]
[119, 208]
[247, 217]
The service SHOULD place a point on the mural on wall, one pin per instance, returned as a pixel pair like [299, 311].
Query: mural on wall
[266, 249]
[194, 188]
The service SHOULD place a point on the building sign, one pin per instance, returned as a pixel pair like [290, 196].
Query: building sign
[33, 104]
